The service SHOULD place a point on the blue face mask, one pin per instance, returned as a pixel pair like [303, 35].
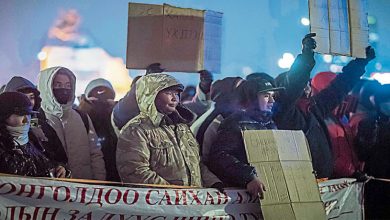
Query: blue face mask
[20, 134]
[385, 108]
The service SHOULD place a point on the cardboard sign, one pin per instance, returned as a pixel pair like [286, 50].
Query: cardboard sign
[341, 26]
[283, 162]
[174, 37]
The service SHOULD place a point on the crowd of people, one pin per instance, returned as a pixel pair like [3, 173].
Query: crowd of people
[152, 136]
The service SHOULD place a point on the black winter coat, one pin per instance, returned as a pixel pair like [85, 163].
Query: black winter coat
[24, 160]
[373, 147]
[228, 158]
[100, 114]
[309, 117]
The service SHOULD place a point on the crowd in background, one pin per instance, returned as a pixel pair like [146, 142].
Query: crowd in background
[158, 134]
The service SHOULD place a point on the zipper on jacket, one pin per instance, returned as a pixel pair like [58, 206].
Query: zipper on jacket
[185, 160]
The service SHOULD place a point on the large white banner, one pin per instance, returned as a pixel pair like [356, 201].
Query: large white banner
[33, 199]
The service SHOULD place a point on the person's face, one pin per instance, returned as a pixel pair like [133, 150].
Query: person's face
[61, 81]
[167, 100]
[17, 120]
[266, 101]
[31, 97]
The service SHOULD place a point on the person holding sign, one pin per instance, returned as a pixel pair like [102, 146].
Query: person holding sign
[157, 146]
[228, 157]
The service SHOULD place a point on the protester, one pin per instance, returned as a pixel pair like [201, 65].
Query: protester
[20, 152]
[201, 101]
[75, 129]
[373, 145]
[45, 134]
[188, 93]
[297, 112]
[224, 97]
[157, 146]
[228, 158]
[345, 160]
[98, 102]
[127, 108]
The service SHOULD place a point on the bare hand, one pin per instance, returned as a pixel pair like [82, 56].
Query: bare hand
[256, 188]
[60, 172]
[206, 79]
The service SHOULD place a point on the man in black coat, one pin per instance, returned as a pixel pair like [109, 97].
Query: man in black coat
[297, 112]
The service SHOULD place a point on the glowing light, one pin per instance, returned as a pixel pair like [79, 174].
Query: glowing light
[378, 66]
[286, 61]
[371, 19]
[305, 21]
[373, 37]
[327, 58]
[42, 55]
[344, 59]
[247, 70]
[335, 68]
[382, 78]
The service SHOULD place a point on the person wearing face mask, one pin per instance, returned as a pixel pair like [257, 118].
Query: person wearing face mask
[227, 158]
[78, 137]
[45, 134]
[157, 146]
[20, 151]
[373, 147]
[98, 102]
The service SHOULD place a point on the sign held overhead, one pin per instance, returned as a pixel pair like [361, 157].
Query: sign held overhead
[181, 39]
[341, 26]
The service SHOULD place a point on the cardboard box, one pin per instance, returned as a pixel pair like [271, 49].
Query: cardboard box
[181, 39]
[283, 162]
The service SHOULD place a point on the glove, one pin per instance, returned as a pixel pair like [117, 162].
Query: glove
[309, 44]
[154, 68]
[219, 186]
[206, 79]
[370, 53]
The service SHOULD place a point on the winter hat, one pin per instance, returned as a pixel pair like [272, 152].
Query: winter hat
[101, 89]
[248, 90]
[322, 81]
[14, 103]
[260, 76]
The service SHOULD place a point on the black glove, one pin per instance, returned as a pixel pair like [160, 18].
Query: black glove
[309, 44]
[219, 186]
[360, 176]
[370, 53]
[154, 68]
[206, 79]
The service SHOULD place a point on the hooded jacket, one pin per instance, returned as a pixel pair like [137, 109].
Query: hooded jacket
[224, 103]
[45, 134]
[17, 83]
[85, 158]
[157, 149]
[100, 114]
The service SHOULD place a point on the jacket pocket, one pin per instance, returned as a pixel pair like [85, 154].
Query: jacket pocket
[161, 154]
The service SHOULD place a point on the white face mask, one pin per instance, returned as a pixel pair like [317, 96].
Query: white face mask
[20, 134]
[385, 108]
